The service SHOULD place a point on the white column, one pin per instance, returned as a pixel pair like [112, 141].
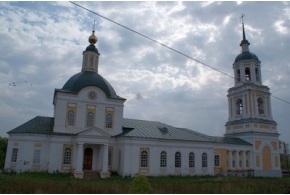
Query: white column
[255, 105]
[105, 173]
[78, 173]
[234, 111]
[230, 160]
[244, 160]
[237, 160]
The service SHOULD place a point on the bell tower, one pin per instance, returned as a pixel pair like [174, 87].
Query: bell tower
[250, 115]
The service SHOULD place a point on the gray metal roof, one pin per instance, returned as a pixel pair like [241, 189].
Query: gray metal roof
[158, 130]
[133, 128]
[38, 125]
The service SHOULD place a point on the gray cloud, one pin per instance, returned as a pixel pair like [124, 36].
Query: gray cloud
[42, 42]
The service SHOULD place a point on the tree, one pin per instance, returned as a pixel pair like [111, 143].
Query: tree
[140, 185]
[3, 148]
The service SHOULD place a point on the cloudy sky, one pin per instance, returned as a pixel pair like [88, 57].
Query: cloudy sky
[42, 44]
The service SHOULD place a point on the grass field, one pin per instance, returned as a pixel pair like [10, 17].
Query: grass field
[65, 184]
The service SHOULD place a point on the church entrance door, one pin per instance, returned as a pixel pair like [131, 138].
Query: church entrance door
[88, 159]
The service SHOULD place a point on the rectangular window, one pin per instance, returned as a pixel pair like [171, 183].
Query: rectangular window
[109, 117]
[191, 160]
[71, 114]
[163, 159]
[14, 154]
[90, 115]
[144, 158]
[177, 160]
[36, 157]
[216, 160]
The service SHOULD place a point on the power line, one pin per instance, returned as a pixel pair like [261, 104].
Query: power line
[134, 31]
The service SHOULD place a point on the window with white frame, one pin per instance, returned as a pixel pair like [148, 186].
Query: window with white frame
[233, 163]
[109, 120]
[216, 160]
[177, 159]
[36, 157]
[204, 160]
[247, 162]
[90, 119]
[67, 156]
[191, 160]
[144, 159]
[163, 159]
[14, 155]
[71, 117]
[240, 163]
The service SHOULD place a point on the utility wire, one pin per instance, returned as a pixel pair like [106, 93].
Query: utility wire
[249, 84]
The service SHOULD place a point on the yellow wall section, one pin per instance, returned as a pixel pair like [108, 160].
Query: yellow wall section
[37, 145]
[265, 126]
[144, 169]
[276, 161]
[238, 127]
[67, 167]
[266, 155]
[223, 160]
[274, 145]
[257, 144]
[257, 161]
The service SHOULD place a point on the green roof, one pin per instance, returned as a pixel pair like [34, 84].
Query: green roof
[133, 128]
[246, 55]
[89, 78]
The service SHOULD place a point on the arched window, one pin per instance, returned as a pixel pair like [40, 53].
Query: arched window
[257, 74]
[90, 119]
[109, 121]
[204, 160]
[247, 74]
[233, 163]
[238, 75]
[163, 159]
[191, 160]
[177, 159]
[239, 107]
[70, 117]
[67, 156]
[260, 105]
[144, 159]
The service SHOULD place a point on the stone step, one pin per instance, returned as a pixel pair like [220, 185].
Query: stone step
[91, 174]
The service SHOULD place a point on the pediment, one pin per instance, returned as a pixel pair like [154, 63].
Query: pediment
[94, 132]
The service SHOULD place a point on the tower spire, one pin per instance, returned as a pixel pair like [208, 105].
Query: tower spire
[244, 34]
[244, 43]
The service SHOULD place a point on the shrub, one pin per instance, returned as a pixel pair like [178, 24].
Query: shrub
[140, 185]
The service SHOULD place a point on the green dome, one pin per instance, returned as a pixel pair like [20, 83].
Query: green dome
[246, 55]
[89, 78]
[92, 48]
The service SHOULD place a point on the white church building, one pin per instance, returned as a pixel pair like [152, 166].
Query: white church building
[88, 133]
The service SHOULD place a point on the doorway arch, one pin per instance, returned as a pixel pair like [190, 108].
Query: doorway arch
[88, 159]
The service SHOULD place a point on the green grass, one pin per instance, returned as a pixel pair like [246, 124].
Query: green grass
[66, 184]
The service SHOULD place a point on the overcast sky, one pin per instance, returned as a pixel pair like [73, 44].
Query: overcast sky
[41, 45]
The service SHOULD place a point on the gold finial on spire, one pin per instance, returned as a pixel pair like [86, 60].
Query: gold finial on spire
[93, 38]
